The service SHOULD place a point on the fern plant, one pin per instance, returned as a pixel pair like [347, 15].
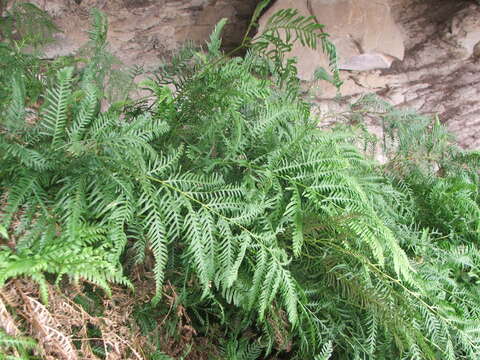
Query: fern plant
[27, 23]
[241, 350]
[53, 141]
[21, 347]
[266, 223]
[316, 241]
[24, 28]
[329, 232]
[437, 216]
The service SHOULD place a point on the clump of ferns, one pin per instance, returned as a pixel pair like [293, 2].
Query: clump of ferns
[243, 202]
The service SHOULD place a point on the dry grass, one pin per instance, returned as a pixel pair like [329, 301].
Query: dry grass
[62, 326]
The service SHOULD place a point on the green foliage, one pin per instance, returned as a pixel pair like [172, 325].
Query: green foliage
[437, 217]
[3, 232]
[282, 31]
[57, 232]
[20, 345]
[27, 23]
[263, 222]
[326, 353]
[241, 350]
[158, 355]
[25, 28]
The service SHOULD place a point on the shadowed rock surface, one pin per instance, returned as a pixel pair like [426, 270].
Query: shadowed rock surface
[142, 31]
[441, 70]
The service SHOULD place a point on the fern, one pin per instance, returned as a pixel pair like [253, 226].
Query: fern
[285, 28]
[326, 353]
[24, 28]
[55, 116]
[241, 350]
[15, 347]
[31, 24]
[266, 223]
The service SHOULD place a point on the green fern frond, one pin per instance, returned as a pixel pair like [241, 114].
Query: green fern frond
[215, 38]
[16, 345]
[99, 28]
[85, 114]
[54, 119]
[327, 352]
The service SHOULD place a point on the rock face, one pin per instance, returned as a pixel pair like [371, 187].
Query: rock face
[465, 30]
[143, 31]
[364, 32]
[440, 73]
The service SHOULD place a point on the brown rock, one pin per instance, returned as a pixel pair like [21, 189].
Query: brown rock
[364, 62]
[141, 31]
[369, 24]
[465, 29]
